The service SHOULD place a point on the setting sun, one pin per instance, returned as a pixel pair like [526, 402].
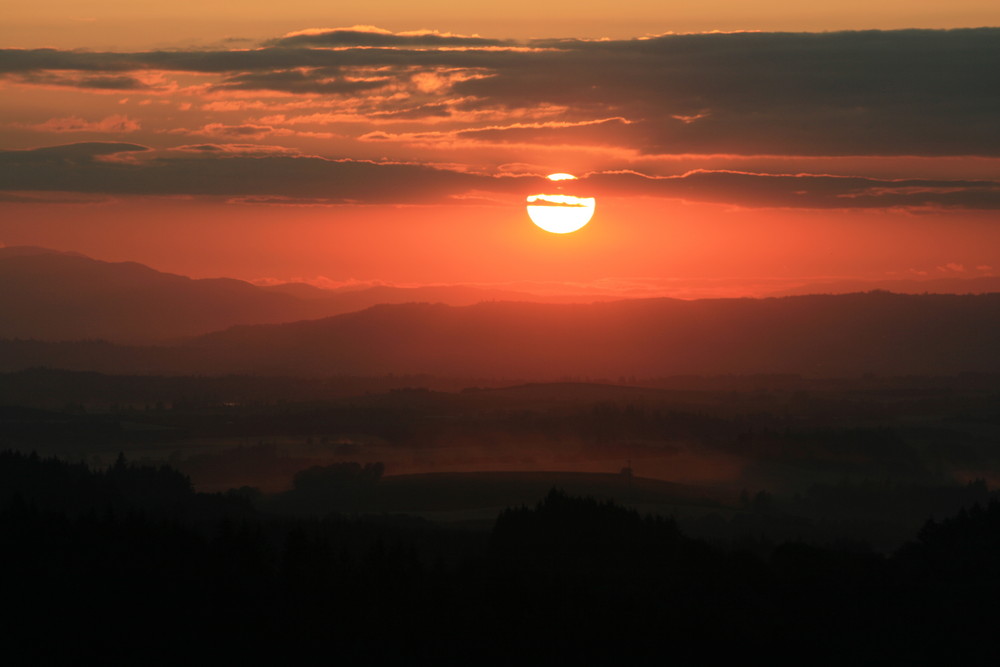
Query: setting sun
[560, 213]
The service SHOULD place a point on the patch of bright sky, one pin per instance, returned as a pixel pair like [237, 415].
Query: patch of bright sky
[126, 24]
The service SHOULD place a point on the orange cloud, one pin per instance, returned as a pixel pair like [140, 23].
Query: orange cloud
[116, 123]
[246, 130]
[87, 167]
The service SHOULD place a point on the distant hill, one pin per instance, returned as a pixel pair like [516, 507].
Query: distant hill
[975, 285]
[815, 335]
[825, 335]
[348, 300]
[51, 295]
[61, 296]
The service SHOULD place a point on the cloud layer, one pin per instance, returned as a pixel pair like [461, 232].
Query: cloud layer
[874, 93]
[212, 170]
[910, 92]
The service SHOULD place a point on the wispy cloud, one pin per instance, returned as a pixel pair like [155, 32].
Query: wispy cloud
[366, 35]
[115, 124]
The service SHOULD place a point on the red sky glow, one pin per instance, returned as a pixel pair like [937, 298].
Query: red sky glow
[813, 148]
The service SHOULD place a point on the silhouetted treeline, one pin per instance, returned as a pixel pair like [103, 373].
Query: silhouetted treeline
[52, 484]
[563, 534]
[571, 579]
[344, 487]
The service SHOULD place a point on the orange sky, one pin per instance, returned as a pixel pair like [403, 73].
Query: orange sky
[123, 24]
[722, 163]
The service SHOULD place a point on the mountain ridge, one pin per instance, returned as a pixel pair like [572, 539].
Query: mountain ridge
[58, 296]
[817, 335]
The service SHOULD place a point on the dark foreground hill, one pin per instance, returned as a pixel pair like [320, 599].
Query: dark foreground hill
[129, 566]
[820, 335]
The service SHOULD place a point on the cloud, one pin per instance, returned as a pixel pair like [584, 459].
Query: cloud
[803, 190]
[899, 92]
[250, 131]
[902, 92]
[323, 282]
[372, 36]
[84, 168]
[116, 123]
[299, 81]
[214, 150]
[83, 152]
[952, 267]
[75, 198]
[98, 83]
[602, 131]
[269, 177]
[246, 131]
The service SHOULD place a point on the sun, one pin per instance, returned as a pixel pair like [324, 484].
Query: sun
[560, 213]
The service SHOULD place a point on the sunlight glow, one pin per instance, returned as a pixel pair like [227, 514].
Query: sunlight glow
[560, 214]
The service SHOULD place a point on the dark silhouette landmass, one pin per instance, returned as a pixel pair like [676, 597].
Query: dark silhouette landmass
[864, 460]
[50, 295]
[954, 285]
[808, 479]
[820, 335]
[129, 564]
[64, 296]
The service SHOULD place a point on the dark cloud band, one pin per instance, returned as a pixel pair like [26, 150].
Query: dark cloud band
[93, 168]
[906, 92]
[341, 37]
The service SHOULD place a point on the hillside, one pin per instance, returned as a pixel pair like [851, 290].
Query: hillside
[842, 335]
[57, 296]
[816, 335]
